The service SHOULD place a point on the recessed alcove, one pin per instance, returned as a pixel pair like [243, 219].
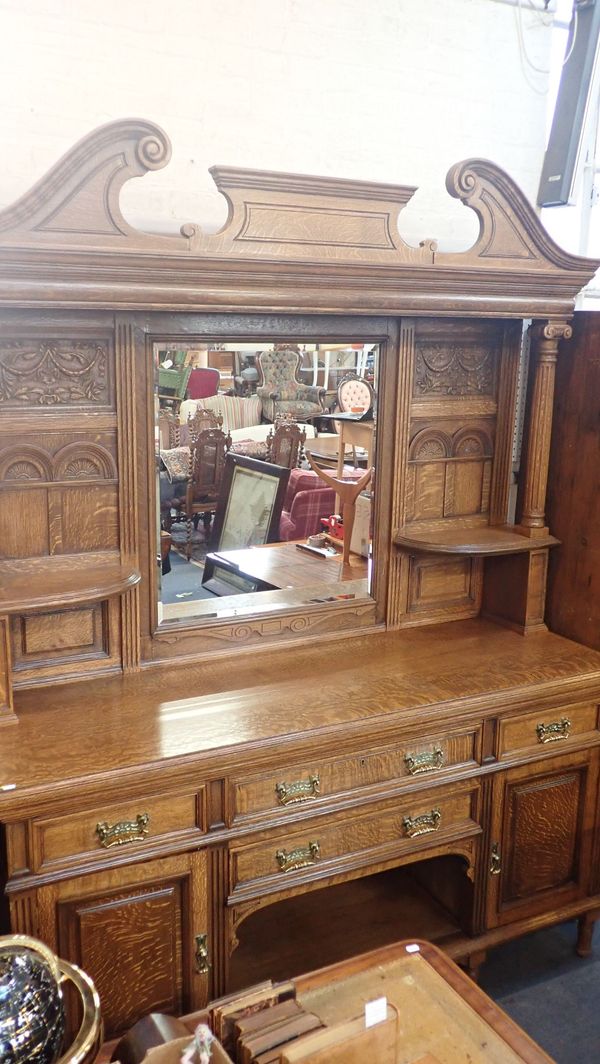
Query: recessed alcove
[427, 900]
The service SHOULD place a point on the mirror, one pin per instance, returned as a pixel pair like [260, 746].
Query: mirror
[264, 466]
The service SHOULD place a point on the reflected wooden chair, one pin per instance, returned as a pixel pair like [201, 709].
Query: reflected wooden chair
[207, 463]
[202, 420]
[169, 430]
[285, 445]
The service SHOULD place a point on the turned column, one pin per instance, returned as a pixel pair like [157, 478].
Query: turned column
[545, 339]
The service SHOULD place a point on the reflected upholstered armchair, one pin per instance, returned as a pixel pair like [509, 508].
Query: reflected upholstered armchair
[280, 390]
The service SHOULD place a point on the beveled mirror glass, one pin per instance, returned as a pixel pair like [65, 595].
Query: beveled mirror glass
[265, 455]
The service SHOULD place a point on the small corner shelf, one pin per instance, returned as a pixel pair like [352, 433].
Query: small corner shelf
[484, 540]
[63, 582]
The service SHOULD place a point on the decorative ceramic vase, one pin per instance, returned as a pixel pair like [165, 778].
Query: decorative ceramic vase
[32, 1019]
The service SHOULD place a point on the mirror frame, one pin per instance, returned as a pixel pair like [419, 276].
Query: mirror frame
[169, 639]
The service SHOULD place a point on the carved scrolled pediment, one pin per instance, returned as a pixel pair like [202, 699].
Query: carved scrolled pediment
[510, 230]
[335, 243]
[77, 201]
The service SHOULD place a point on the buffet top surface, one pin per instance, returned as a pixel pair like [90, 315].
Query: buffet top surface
[222, 713]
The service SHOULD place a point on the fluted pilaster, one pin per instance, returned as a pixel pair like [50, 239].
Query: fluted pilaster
[545, 339]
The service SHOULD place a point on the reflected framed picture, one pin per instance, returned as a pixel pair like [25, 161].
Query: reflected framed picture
[249, 504]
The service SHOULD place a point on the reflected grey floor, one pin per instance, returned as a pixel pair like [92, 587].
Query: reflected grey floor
[549, 991]
[184, 582]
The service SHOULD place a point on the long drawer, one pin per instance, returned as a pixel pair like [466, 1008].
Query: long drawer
[312, 783]
[549, 730]
[332, 842]
[136, 825]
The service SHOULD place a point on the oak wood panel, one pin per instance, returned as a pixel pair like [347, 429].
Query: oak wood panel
[24, 524]
[573, 504]
[258, 795]
[51, 631]
[90, 519]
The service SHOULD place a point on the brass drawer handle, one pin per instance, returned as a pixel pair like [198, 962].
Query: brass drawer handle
[551, 733]
[427, 762]
[302, 857]
[422, 825]
[123, 832]
[298, 791]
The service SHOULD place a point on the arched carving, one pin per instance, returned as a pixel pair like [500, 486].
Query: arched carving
[26, 462]
[84, 461]
[471, 443]
[430, 445]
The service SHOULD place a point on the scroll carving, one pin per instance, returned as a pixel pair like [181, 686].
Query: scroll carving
[509, 226]
[77, 201]
[452, 369]
[55, 373]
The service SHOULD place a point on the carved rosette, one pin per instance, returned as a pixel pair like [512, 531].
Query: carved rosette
[545, 340]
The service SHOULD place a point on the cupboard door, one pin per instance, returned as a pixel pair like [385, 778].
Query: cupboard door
[133, 930]
[542, 833]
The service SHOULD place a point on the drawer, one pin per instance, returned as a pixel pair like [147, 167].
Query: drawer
[389, 829]
[313, 782]
[546, 729]
[134, 824]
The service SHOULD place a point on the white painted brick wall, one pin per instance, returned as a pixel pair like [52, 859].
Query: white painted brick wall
[385, 90]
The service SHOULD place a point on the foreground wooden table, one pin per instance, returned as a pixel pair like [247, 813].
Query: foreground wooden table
[435, 1015]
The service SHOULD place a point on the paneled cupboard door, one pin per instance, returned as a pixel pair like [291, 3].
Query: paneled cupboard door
[542, 833]
[133, 929]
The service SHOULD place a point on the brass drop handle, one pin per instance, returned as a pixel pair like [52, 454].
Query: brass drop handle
[550, 733]
[426, 762]
[495, 860]
[201, 954]
[301, 857]
[423, 824]
[298, 790]
[123, 832]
